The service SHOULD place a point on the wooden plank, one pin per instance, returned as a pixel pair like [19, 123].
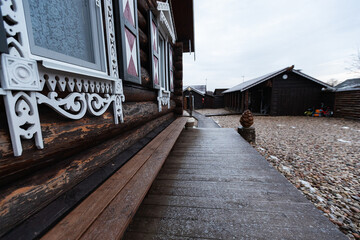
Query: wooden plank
[39, 223]
[17, 202]
[214, 203]
[63, 139]
[112, 223]
[73, 226]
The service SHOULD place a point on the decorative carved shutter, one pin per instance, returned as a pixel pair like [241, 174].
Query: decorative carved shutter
[3, 42]
[171, 68]
[129, 59]
[154, 51]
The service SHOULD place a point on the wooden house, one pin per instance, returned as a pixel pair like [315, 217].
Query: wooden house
[214, 99]
[347, 99]
[197, 94]
[82, 82]
[285, 92]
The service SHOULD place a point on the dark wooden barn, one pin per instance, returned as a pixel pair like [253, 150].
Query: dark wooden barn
[284, 92]
[215, 99]
[347, 99]
[197, 93]
[82, 91]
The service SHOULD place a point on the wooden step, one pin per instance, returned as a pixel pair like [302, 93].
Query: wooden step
[106, 213]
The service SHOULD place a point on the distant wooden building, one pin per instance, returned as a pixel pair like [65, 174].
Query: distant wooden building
[197, 93]
[347, 99]
[215, 100]
[284, 92]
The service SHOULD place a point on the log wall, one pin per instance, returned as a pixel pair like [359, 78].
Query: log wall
[347, 104]
[75, 149]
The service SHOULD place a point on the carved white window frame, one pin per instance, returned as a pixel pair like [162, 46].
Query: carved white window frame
[72, 91]
[166, 18]
[166, 29]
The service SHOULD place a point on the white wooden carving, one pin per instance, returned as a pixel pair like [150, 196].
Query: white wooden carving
[24, 81]
[163, 98]
[166, 18]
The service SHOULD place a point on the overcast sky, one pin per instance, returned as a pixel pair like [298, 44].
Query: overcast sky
[244, 39]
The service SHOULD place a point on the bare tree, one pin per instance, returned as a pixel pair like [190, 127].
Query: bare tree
[333, 82]
[354, 65]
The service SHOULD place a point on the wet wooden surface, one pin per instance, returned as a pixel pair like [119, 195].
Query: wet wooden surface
[106, 213]
[214, 185]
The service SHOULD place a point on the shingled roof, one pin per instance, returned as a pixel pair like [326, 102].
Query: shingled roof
[201, 89]
[348, 85]
[253, 82]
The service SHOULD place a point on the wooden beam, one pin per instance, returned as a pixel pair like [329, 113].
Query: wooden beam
[142, 22]
[45, 186]
[107, 212]
[65, 138]
[143, 7]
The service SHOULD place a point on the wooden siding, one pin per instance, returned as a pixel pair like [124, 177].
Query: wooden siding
[197, 99]
[347, 104]
[75, 149]
[291, 96]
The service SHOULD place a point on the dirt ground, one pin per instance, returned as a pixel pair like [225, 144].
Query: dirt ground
[320, 156]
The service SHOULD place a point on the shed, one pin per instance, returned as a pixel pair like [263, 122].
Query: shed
[197, 93]
[284, 92]
[347, 99]
[82, 91]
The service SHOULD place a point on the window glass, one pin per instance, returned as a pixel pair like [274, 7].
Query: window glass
[162, 61]
[63, 26]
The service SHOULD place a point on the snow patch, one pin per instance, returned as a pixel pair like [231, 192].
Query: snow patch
[280, 125]
[320, 199]
[261, 149]
[293, 127]
[286, 169]
[343, 141]
[307, 185]
[274, 158]
[345, 127]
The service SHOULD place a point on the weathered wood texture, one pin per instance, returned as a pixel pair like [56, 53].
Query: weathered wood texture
[22, 199]
[65, 138]
[278, 96]
[38, 224]
[79, 147]
[178, 80]
[214, 185]
[347, 104]
[106, 213]
[294, 95]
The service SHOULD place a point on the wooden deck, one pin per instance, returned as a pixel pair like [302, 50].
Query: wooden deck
[214, 185]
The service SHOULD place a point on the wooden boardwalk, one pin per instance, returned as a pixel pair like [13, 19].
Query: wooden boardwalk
[214, 185]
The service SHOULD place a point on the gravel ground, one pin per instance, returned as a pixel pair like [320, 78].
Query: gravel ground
[320, 156]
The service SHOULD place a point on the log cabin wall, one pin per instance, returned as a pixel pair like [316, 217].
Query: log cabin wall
[292, 96]
[75, 149]
[198, 99]
[347, 104]
[278, 96]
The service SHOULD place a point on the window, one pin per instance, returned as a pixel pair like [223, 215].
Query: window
[62, 54]
[128, 44]
[171, 69]
[161, 53]
[162, 66]
[67, 31]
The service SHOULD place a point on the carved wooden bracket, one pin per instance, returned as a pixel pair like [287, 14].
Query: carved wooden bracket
[163, 98]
